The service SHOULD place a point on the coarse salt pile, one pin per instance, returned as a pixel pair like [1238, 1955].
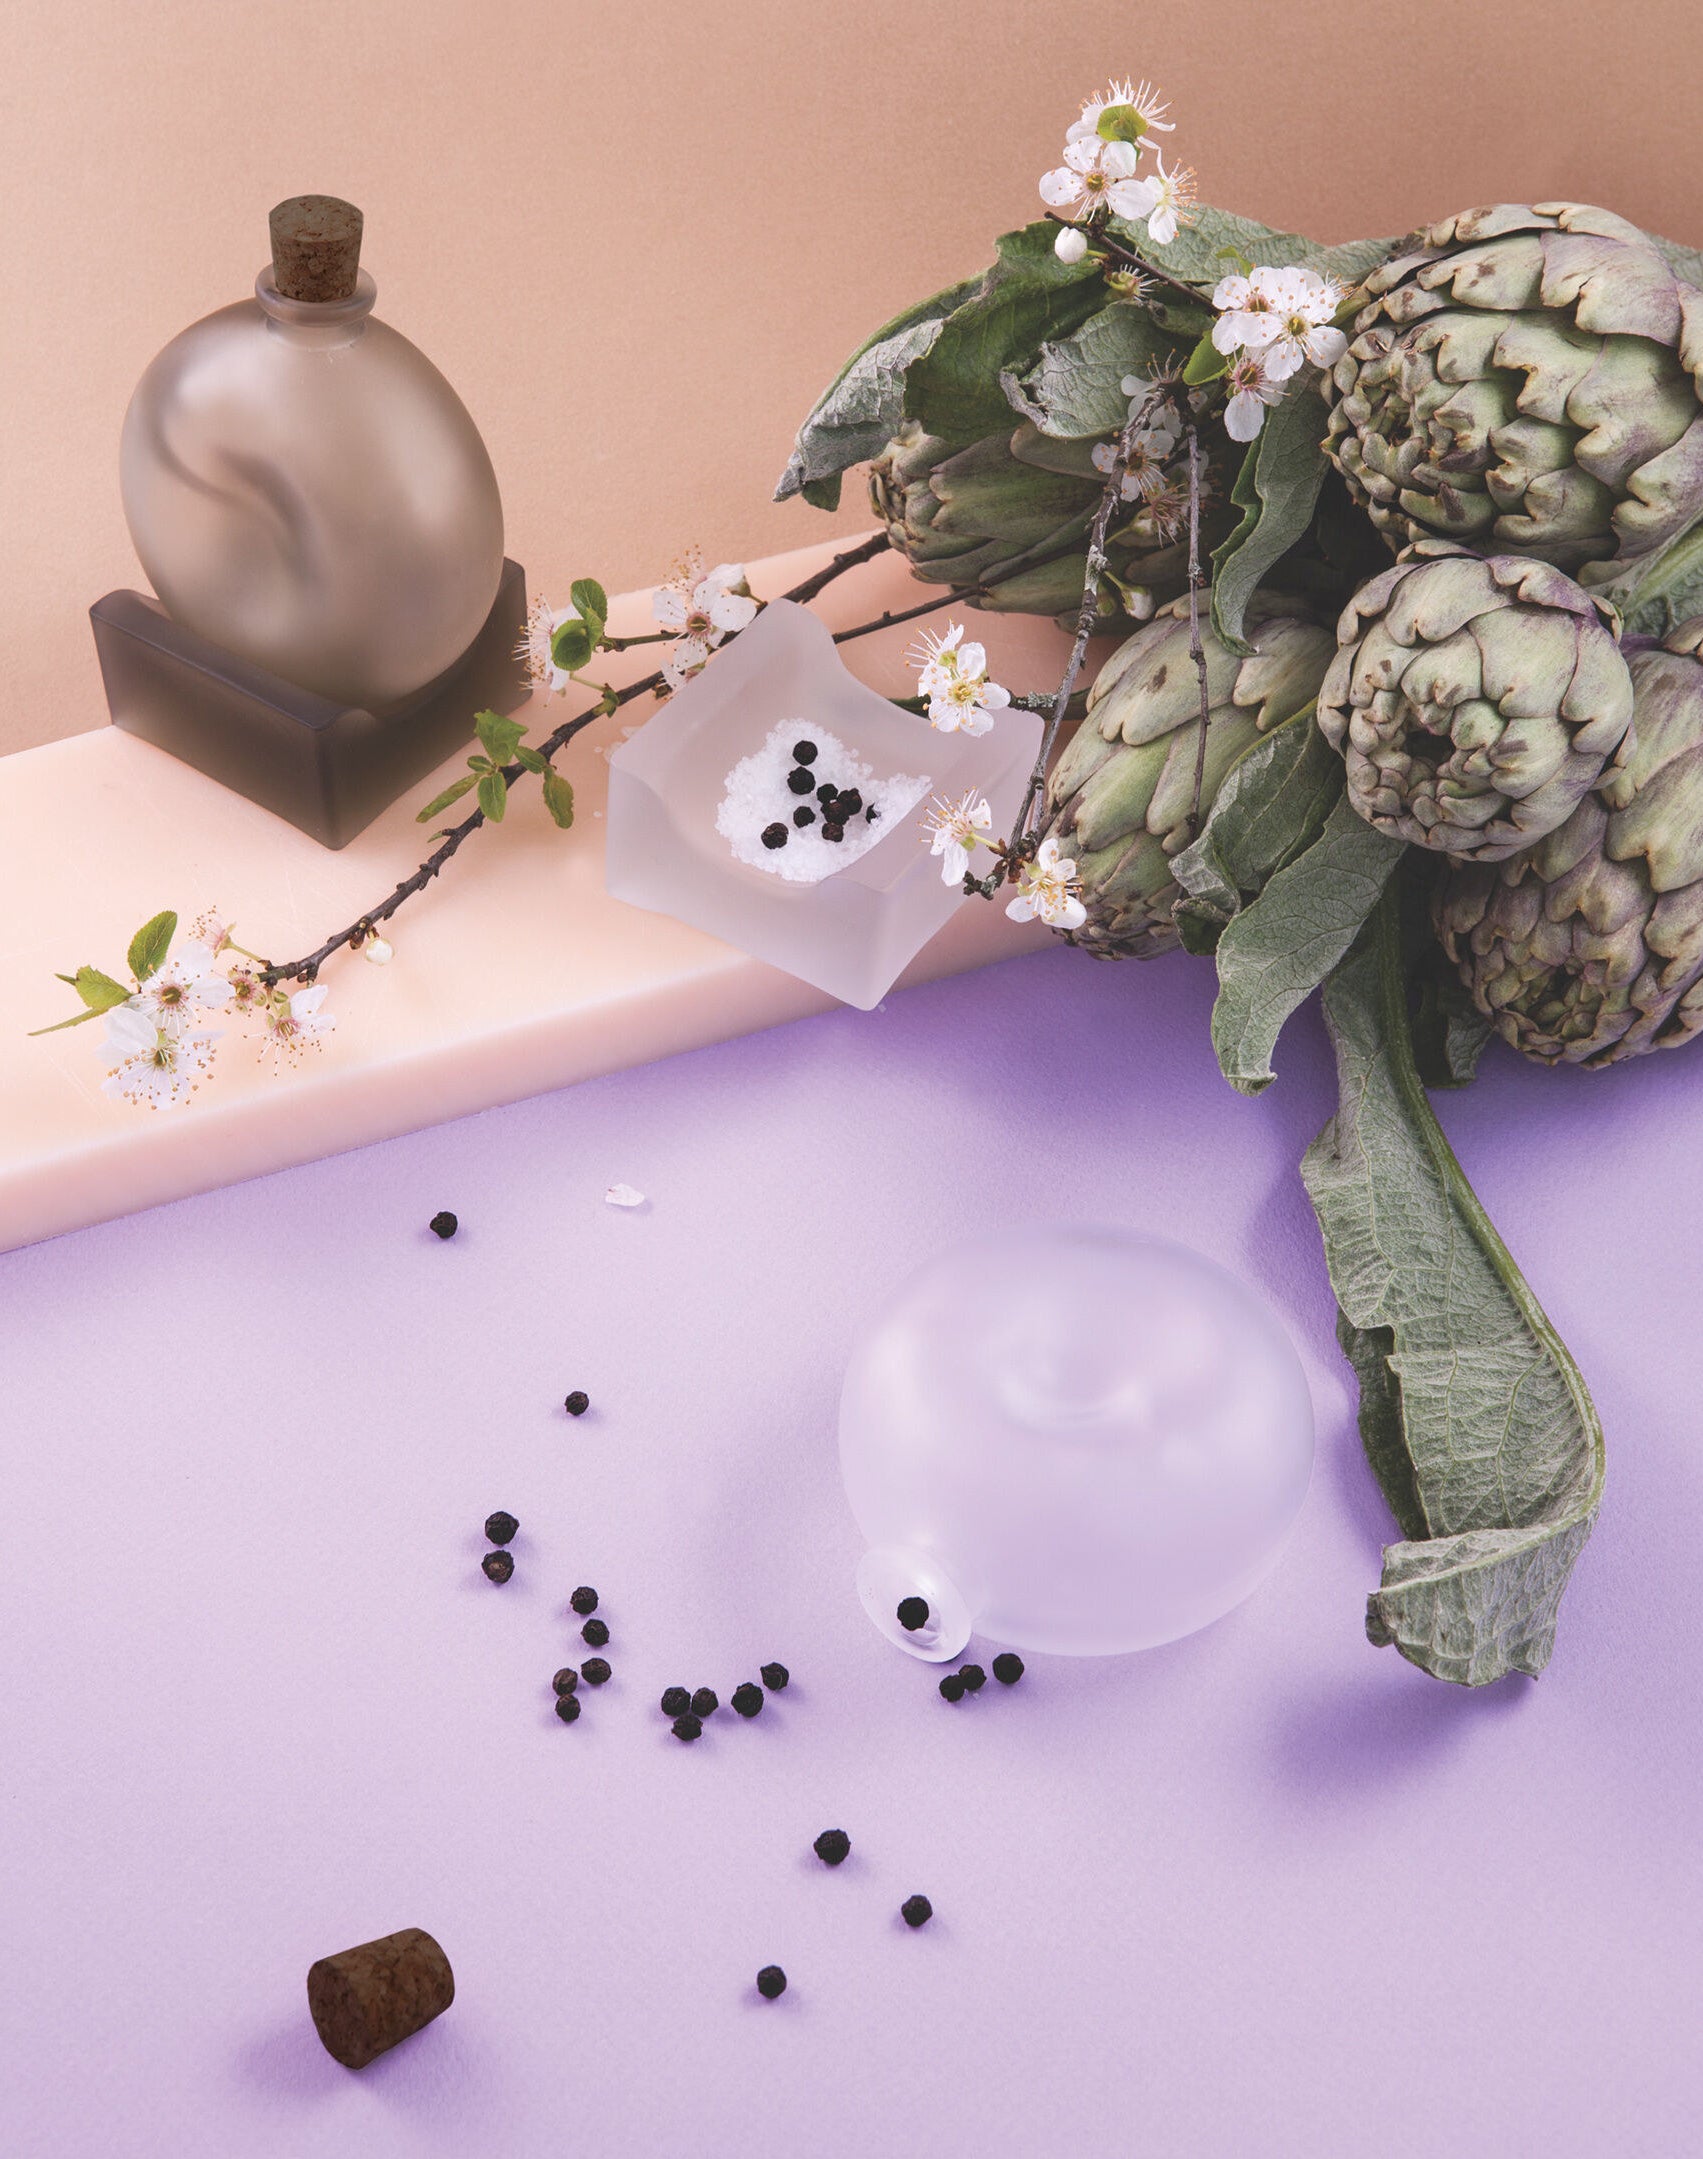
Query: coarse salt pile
[803, 833]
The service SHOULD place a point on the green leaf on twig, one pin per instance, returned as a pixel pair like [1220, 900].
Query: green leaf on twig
[558, 798]
[529, 760]
[501, 737]
[493, 796]
[592, 603]
[452, 793]
[1473, 1415]
[1205, 364]
[149, 946]
[100, 993]
[571, 645]
[1276, 490]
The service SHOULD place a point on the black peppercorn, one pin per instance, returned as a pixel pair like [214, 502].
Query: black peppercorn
[500, 1527]
[803, 815]
[498, 1566]
[871, 814]
[831, 1847]
[916, 1911]
[912, 1613]
[705, 1702]
[1008, 1668]
[584, 1601]
[774, 836]
[747, 1699]
[567, 1707]
[675, 1701]
[771, 1982]
[444, 1225]
[851, 802]
[804, 752]
[832, 831]
[974, 1678]
[824, 794]
[952, 1687]
[800, 781]
[577, 1403]
[594, 1633]
[566, 1680]
[686, 1726]
[775, 1676]
[595, 1670]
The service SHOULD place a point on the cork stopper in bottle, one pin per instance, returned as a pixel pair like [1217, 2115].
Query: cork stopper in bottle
[316, 247]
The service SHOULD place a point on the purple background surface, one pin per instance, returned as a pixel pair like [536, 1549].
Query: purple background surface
[1265, 1891]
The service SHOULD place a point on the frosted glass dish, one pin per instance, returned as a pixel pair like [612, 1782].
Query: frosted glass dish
[851, 934]
[1084, 1441]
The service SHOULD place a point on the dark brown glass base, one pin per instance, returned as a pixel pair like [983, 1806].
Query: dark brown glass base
[329, 769]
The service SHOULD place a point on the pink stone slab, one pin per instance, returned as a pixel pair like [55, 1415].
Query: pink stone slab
[514, 974]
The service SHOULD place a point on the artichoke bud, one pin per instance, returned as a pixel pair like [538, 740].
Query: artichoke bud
[1526, 380]
[1588, 947]
[1121, 798]
[1475, 700]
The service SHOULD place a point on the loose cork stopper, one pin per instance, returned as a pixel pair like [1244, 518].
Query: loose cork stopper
[364, 2000]
[316, 247]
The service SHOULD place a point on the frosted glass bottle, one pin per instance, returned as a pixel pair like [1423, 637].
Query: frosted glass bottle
[302, 486]
[1089, 1442]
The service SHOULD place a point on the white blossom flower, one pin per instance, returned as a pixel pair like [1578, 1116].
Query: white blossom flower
[700, 608]
[1146, 103]
[210, 930]
[534, 649]
[1161, 200]
[1047, 890]
[248, 992]
[1147, 452]
[157, 1065]
[1283, 315]
[1070, 245]
[1164, 514]
[183, 985]
[954, 831]
[291, 1024]
[953, 677]
[1247, 310]
[1252, 389]
[1094, 174]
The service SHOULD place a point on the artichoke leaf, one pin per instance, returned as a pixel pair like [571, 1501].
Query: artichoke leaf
[1075, 387]
[1277, 490]
[1277, 950]
[1271, 809]
[863, 406]
[1504, 1445]
[1208, 249]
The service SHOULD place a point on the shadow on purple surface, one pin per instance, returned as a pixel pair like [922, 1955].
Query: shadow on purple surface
[1358, 1740]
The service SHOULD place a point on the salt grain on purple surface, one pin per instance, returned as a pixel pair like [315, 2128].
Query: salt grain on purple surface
[757, 794]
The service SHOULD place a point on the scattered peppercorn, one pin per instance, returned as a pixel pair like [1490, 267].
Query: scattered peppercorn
[775, 1676]
[500, 1527]
[871, 814]
[498, 1566]
[747, 1699]
[595, 1670]
[577, 1403]
[444, 1225]
[1008, 1668]
[566, 1680]
[824, 794]
[851, 802]
[774, 836]
[584, 1601]
[916, 1911]
[771, 1982]
[833, 832]
[705, 1702]
[952, 1687]
[803, 816]
[567, 1707]
[832, 1846]
[804, 752]
[594, 1633]
[912, 1613]
[675, 1701]
[686, 1726]
[974, 1678]
[800, 781]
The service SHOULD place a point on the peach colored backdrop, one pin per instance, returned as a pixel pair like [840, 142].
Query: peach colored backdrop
[639, 238]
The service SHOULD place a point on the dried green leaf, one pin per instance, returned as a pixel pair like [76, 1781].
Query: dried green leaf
[1276, 490]
[1468, 1378]
[452, 793]
[1075, 388]
[149, 946]
[1271, 808]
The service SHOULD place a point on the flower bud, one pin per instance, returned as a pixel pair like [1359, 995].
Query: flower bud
[378, 950]
[1071, 245]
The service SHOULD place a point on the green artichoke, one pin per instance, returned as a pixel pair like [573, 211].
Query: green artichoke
[1528, 380]
[1475, 699]
[1005, 522]
[1120, 798]
[1588, 947]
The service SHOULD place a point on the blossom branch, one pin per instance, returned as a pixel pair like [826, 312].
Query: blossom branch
[1197, 651]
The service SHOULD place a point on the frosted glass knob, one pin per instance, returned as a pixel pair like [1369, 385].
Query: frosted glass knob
[1096, 1444]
